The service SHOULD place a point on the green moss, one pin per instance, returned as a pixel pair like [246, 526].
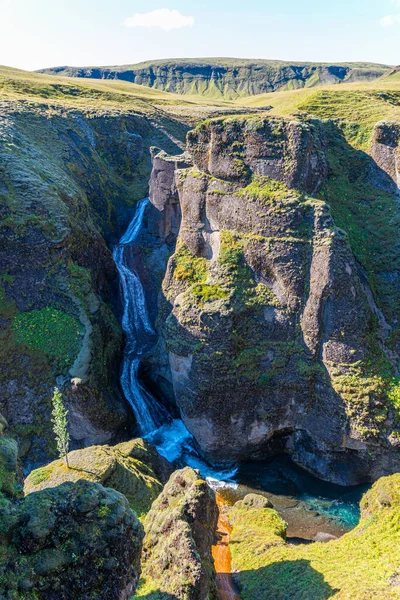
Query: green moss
[51, 331]
[264, 189]
[8, 465]
[369, 216]
[40, 475]
[188, 267]
[238, 276]
[208, 292]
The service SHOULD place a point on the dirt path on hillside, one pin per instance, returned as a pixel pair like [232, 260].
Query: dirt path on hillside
[222, 557]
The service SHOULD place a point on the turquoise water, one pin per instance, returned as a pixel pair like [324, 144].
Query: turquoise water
[280, 476]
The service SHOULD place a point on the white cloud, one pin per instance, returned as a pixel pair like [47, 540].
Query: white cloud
[390, 20]
[163, 19]
[396, 2]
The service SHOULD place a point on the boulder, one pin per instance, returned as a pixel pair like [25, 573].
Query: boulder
[76, 540]
[254, 501]
[322, 536]
[133, 468]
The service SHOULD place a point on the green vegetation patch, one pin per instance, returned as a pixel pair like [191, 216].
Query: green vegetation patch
[40, 475]
[363, 564]
[188, 267]
[264, 189]
[51, 331]
[209, 292]
[238, 275]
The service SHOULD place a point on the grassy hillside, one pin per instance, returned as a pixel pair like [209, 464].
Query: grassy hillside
[362, 565]
[16, 84]
[363, 104]
[228, 78]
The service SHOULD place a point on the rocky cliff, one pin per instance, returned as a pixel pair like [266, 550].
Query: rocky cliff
[68, 178]
[270, 336]
[228, 78]
[180, 530]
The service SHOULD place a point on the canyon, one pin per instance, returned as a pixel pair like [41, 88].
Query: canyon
[222, 281]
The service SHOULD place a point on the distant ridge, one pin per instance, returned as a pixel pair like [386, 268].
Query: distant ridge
[228, 78]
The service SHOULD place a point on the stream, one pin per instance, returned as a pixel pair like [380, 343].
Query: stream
[308, 504]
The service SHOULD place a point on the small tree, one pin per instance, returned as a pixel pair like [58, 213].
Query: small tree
[59, 420]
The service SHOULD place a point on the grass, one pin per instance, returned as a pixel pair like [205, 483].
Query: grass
[362, 565]
[92, 94]
[208, 293]
[265, 189]
[363, 104]
[51, 331]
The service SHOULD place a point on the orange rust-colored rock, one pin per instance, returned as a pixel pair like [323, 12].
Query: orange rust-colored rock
[222, 556]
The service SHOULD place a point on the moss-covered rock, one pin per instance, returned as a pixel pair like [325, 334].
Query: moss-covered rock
[180, 530]
[254, 501]
[8, 465]
[76, 540]
[133, 468]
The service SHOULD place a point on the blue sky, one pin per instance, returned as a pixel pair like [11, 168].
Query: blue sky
[42, 33]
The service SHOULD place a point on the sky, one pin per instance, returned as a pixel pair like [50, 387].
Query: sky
[43, 33]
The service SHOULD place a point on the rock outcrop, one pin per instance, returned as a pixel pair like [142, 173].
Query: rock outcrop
[228, 78]
[76, 540]
[385, 149]
[133, 468]
[68, 178]
[180, 530]
[267, 325]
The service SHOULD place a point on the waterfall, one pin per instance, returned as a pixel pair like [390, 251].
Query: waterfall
[170, 437]
[150, 414]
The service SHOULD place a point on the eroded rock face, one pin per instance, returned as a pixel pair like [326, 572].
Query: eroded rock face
[76, 540]
[285, 150]
[265, 324]
[227, 78]
[180, 530]
[67, 181]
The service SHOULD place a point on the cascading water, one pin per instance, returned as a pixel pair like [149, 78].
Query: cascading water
[171, 437]
[149, 413]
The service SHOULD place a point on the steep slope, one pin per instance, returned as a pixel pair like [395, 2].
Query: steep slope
[270, 336]
[74, 159]
[228, 78]
[68, 177]
[362, 565]
[180, 531]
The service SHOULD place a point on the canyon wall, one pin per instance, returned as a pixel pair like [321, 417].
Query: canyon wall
[270, 336]
[228, 78]
[68, 180]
